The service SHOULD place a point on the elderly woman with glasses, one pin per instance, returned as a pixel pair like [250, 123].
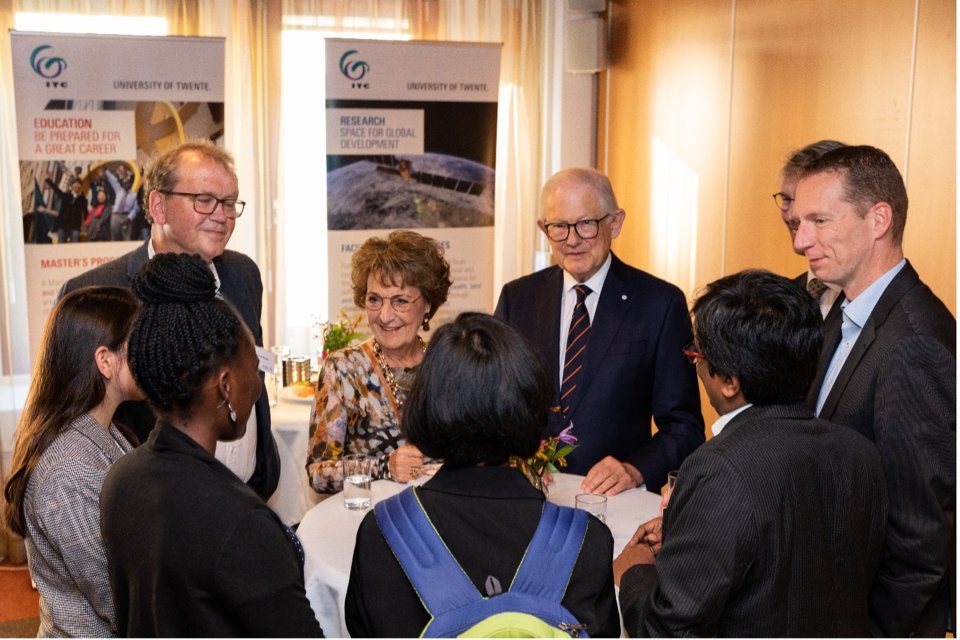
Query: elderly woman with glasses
[401, 281]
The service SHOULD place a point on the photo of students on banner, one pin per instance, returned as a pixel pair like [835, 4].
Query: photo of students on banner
[82, 201]
[70, 201]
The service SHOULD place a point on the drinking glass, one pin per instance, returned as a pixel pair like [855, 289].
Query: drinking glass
[357, 478]
[668, 490]
[593, 503]
[279, 354]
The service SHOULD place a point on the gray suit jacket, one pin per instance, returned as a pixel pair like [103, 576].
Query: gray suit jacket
[240, 284]
[775, 528]
[898, 387]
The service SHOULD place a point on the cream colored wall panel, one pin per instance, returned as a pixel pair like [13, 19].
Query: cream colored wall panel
[674, 57]
[721, 92]
[931, 234]
[803, 71]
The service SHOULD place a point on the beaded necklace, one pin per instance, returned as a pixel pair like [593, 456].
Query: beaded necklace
[388, 372]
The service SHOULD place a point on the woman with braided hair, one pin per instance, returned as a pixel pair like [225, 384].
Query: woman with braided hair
[192, 550]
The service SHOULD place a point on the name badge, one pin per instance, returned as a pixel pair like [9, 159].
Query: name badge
[266, 360]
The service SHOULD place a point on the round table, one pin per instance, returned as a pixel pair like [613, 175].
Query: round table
[290, 425]
[328, 532]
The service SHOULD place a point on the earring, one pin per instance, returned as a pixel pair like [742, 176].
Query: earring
[232, 413]
[426, 323]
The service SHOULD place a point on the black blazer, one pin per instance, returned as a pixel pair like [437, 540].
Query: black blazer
[240, 284]
[898, 388]
[775, 528]
[486, 516]
[634, 368]
[193, 552]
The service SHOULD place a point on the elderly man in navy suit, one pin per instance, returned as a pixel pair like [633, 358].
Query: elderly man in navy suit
[191, 197]
[888, 370]
[610, 337]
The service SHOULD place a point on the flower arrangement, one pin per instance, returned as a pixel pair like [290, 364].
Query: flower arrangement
[550, 457]
[337, 335]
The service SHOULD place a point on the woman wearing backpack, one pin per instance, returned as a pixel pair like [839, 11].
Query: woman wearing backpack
[478, 400]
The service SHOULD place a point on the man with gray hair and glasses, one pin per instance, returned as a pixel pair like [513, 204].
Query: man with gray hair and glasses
[609, 336]
[192, 199]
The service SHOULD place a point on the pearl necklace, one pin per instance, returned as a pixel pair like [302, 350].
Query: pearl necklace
[388, 372]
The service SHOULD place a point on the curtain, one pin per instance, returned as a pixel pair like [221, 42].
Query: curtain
[518, 25]
[252, 31]
[252, 34]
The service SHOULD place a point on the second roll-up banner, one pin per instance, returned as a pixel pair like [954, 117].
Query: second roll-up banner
[411, 144]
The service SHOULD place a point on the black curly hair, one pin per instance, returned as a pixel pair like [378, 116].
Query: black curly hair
[182, 333]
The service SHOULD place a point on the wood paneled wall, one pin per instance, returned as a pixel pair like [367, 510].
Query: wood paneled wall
[710, 97]
[704, 99]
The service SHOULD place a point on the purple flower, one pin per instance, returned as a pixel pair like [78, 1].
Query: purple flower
[566, 437]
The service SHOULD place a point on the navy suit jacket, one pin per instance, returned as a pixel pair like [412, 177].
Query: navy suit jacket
[898, 387]
[240, 284]
[775, 528]
[634, 368]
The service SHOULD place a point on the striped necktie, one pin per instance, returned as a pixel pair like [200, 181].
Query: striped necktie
[576, 346]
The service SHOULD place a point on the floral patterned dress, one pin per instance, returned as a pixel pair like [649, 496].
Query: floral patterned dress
[354, 411]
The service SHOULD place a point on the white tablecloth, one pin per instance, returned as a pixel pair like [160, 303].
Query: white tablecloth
[294, 496]
[328, 533]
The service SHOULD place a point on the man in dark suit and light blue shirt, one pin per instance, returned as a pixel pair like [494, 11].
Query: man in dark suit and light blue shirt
[887, 370]
[622, 363]
[775, 527]
[826, 293]
[192, 200]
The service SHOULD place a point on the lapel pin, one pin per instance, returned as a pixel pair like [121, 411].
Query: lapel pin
[623, 297]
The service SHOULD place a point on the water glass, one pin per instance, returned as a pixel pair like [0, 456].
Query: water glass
[593, 503]
[668, 490]
[358, 472]
[279, 354]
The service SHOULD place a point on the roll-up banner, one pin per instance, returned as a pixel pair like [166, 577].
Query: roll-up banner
[411, 144]
[91, 111]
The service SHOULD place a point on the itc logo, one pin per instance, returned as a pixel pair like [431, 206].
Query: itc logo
[48, 66]
[354, 70]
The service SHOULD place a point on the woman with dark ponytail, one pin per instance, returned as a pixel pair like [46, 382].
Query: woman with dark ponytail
[192, 550]
[65, 443]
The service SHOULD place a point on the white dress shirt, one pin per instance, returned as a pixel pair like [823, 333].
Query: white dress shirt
[240, 456]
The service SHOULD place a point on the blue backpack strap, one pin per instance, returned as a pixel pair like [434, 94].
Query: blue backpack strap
[448, 595]
[556, 544]
[434, 573]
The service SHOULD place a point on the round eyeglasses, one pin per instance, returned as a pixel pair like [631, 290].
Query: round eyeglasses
[206, 203]
[400, 303]
[587, 229]
[783, 201]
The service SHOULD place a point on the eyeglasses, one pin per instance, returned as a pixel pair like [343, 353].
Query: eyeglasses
[586, 229]
[400, 302]
[206, 203]
[783, 200]
[690, 351]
